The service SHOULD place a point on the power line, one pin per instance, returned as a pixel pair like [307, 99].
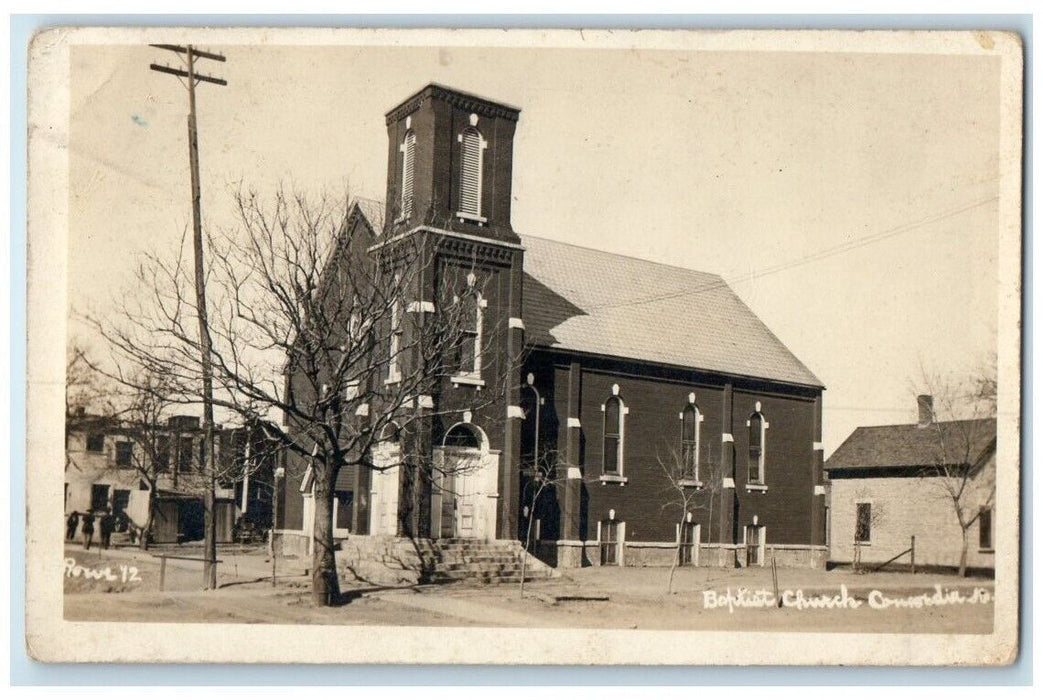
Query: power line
[811, 257]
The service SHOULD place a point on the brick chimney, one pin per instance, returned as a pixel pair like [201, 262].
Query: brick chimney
[925, 404]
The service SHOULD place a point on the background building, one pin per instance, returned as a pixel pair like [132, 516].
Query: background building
[890, 483]
[109, 465]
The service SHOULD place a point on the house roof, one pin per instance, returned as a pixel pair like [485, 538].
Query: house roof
[596, 302]
[897, 446]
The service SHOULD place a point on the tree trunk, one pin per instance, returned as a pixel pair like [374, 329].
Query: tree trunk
[525, 554]
[145, 532]
[324, 586]
[963, 555]
[673, 567]
[528, 539]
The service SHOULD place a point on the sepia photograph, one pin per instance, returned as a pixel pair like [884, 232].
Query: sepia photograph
[524, 347]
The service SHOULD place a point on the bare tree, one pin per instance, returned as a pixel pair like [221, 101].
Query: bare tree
[694, 485]
[546, 476]
[85, 387]
[319, 333]
[962, 430]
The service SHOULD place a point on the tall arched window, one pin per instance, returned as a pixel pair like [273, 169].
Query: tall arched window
[690, 443]
[395, 344]
[471, 172]
[756, 425]
[470, 306]
[530, 427]
[613, 445]
[408, 149]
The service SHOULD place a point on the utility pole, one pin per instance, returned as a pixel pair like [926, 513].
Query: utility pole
[189, 56]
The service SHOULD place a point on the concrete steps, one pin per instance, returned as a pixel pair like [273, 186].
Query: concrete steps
[477, 561]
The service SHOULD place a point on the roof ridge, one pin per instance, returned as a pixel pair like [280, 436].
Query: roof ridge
[917, 425]
[621, 255]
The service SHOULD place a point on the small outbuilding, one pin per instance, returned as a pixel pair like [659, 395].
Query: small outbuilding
[931, 483]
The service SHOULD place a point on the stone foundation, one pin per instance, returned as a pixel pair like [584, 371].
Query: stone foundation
[649, 553]
[571, 555]
[575, 554]
[379, 559]
[400, 561]
[292, 544]
[797, 556]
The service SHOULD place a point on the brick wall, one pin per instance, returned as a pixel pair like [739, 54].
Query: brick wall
[654, 399]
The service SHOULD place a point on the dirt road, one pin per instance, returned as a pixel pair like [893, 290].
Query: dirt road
[636, 599]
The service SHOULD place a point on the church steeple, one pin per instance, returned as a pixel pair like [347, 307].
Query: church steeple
[450, 157]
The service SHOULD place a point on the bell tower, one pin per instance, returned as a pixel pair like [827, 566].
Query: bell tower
[450, 158]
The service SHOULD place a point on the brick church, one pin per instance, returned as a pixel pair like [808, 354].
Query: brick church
[659, 409]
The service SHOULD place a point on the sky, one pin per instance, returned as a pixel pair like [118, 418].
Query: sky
[850, 199]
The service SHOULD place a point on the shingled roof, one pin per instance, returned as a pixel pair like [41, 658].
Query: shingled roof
[596, 302]
[945, 443]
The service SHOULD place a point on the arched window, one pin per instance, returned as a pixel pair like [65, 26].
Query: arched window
[530, 427]
[471, 305]
[408, 149]
[613, 444]
[390, 432]
[460, 435]
[471, 149]
[395, 344]
[690, 443]
[757, 426]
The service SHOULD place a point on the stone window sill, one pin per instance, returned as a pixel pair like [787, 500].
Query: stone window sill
[613, 479]
[690, 483]
[468, 380]
[471, 217]
[757, 487]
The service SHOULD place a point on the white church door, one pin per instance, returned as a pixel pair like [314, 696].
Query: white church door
[470, 472]
[384, 490]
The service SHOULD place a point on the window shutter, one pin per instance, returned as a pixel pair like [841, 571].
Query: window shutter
[471, 173]
[408, 154]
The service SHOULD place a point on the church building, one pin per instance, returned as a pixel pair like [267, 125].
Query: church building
[645, 405]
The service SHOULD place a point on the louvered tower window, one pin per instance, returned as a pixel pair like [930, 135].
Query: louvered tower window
[408, 159]
[471, 173]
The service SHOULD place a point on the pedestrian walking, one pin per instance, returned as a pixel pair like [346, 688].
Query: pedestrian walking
[72, 523]
[107, 524]
[88, 530]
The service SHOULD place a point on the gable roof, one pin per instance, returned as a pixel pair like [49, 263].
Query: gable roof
[595, 302]
[372, 211]
[897, 446]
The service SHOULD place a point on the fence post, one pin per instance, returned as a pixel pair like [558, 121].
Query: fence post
[775, 580]
[162, 570]
[912, 554]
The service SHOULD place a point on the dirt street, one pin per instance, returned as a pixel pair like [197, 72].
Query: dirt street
[106, 588]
